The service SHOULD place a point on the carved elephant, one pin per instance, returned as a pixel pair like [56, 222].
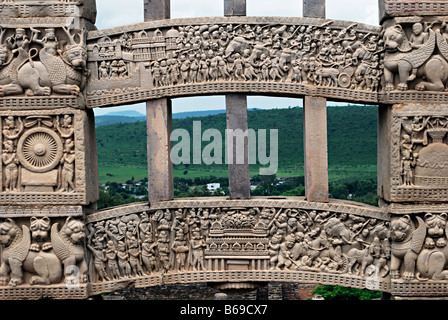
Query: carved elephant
[237, 45]
[286, 58]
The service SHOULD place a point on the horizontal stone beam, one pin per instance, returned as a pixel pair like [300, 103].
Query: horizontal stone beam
[234, 240]
[202, 56]
[412, 8]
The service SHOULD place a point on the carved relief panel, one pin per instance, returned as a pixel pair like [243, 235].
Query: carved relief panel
[338, 58]
[42, 61]
[40, 251]
[419, 254]
[170, 242]
[417, 147]
[46, 157]
[416, 59]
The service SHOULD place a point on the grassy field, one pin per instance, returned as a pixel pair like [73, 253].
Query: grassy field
[335, 173]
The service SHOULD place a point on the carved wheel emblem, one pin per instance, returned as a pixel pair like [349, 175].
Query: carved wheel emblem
[344, 80]
[40, 150]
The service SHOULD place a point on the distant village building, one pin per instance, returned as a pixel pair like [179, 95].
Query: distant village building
[213, 186]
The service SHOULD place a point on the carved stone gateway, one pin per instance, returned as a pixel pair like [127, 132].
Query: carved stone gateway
[55, 67]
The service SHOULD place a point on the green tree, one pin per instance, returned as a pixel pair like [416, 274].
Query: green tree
[342, 293]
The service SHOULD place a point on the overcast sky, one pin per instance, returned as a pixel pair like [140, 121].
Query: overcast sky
[113, 13]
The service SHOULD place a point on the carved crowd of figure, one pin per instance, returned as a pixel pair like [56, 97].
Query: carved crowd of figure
[306, 54]
[41, 65]
[38, 153]
[288, 239]
[318, 55]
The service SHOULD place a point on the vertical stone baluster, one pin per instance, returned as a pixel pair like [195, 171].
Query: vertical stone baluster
[315, 129]
[159, 126]
[314, 8]
[236, 108]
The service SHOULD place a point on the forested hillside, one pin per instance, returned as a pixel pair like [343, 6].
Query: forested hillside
[352, 136]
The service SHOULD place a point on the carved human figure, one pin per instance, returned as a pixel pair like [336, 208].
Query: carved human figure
[284, 257]
[197, 246]
[19, 40]
[149, 255]
[11, 163]
[135, 256]
[99, 259]
[274, 248]
[123, 259]
[68, 167]
[112, 266]
[418, 37]
[180, 250]
[103, 71]
[164, 250]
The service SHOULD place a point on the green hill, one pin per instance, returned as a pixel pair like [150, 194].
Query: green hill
[352, 139]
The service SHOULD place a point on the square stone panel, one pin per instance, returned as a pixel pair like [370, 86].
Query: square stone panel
[413, 153]
[48, 157]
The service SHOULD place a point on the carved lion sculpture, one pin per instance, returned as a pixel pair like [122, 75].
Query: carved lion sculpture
[68, 245]
[407, 244]
[404, 65]
[433, 259]
[64, 73]
[23, 253]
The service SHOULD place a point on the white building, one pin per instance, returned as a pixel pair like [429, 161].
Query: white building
[213, 186]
